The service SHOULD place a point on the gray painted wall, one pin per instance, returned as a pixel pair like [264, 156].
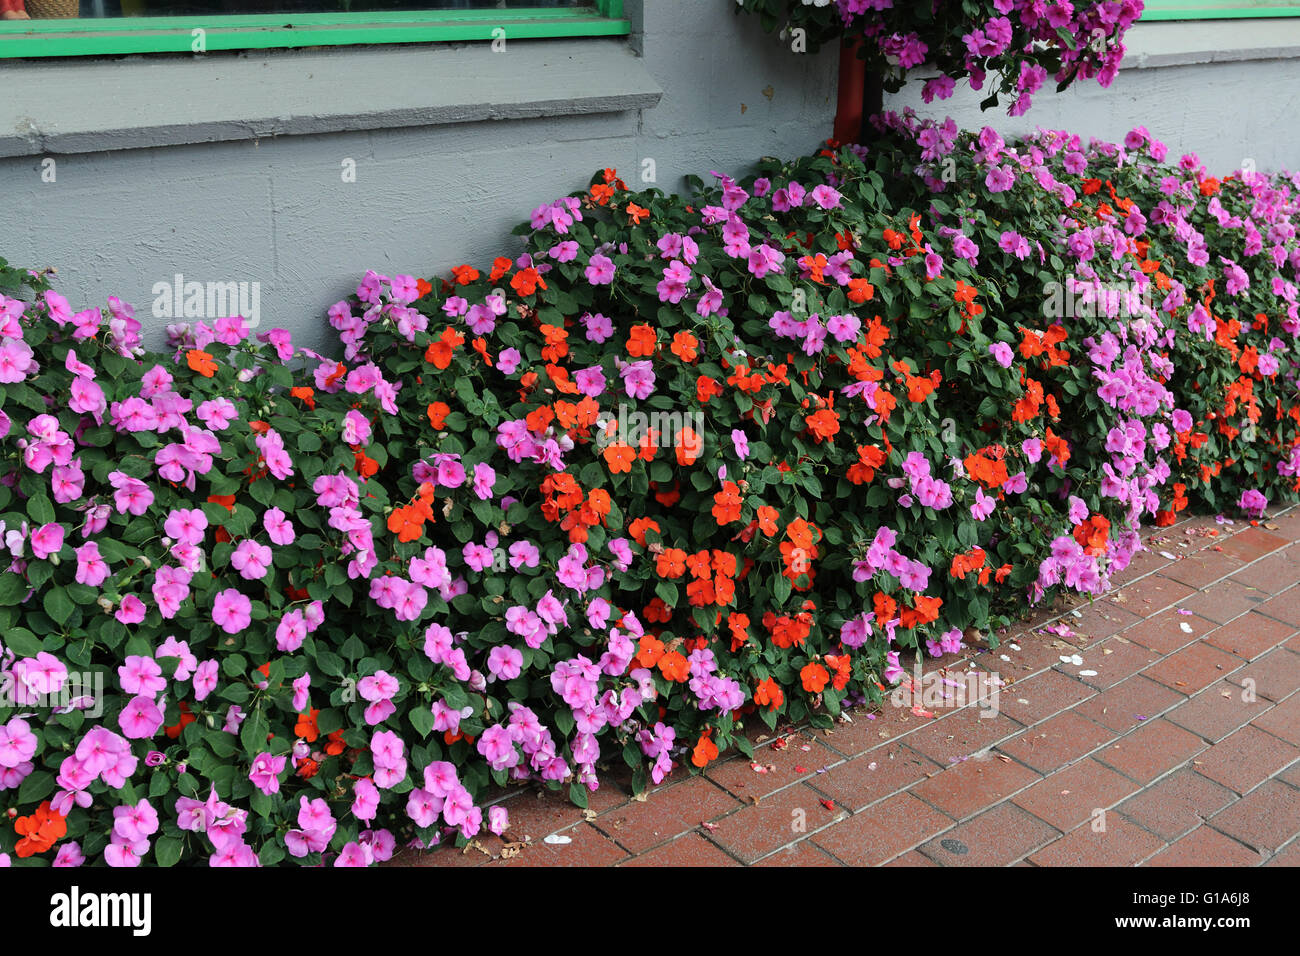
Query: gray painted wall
[454, 145]
[273, 208]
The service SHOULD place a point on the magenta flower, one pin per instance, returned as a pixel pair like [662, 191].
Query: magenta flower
[505, 662]
[47, 540]
[232, 611]
[140, 718]
[1002, 354]
[251, 559]
[600, 270]
[265, 773]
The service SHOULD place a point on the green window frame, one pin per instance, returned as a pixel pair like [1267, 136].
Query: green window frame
[124, 35]
[1217, 9]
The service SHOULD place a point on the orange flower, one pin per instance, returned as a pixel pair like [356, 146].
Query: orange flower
[814, 678]
[201, 362]
[768, 694]
[823, 424]
[526, 281]
[641, 341]
[619, 457]
[638, 528]
[438, 412]
[689, 447]
[306, 727]
[500, 266]
[464, 274]
[649, 650]
[635, 214]
[706, 388]
[701, 593]
[306, 394]
[726, 508]
[738, 624]
[705, 750]
[439, 352]
[670, 563]
[40, 831]
[767, 516]
[335, 745]
[674, 666]
[686, 346]
[860, 290]
[406, 522]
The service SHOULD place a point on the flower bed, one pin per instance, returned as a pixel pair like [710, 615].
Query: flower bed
[683, 463]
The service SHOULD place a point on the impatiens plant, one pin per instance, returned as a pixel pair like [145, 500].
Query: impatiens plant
[1014, 45]
[676, 465]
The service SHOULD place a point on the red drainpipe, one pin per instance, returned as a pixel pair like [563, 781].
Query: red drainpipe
[849, 107]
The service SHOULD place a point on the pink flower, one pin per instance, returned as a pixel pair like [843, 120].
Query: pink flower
[1002, 354]
[278, 527]
[505, 662]
[132, 610]
[600, 270]
[265, 773]
[140, 718]
[186, 525]
[205, 680]
[141, 675]
[92, 569]
[47, 540]
[251, 560]
[232, 611]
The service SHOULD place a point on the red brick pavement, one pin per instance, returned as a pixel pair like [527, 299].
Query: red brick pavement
[1175, 742]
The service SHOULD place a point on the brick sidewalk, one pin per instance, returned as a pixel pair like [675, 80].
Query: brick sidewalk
[1174, 742]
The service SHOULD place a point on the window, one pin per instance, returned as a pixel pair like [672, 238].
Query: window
[1217, 9]
[42, 28]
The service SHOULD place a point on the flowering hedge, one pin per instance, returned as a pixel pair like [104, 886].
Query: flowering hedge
[1020, 42]
[683, 463]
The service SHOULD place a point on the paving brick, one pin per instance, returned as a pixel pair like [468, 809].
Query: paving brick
[1150, 595]
[1282, 721]
[803, 853]
[1288, 856]
[1153, 749]
[1250, 635]
[875, 775]
[1056, 742]
[1246, 758]
[912, 858]
[1120, 844]
[538, 814]
[740, 779]
[996, 837]
[1205, 847]
[1290, 775]
[1250, 544]
[1272, 575]
[691, 850]
[1111, 661]
[1177, 804]
[1217, 711]
[1129, 703]
[1026, 653]
[1204, 567]
[882, 831]
[974, 784]
[588, 847]
[1285, 607]
[775, 821]
[667, 812]
[1276, 674]
[953, 736]
[1100, 620]
[1193, 668]
[1043, 695]
[1069, 797]
[868, 729]
[1265, 819]
[1223, 601]
[1164, 632]
[1143, 563]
